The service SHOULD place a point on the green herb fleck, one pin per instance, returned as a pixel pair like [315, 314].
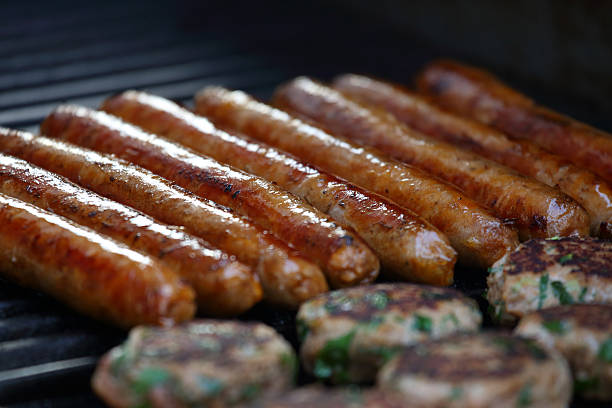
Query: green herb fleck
[422, 323]
[249, 391]
[456, 393]
[385, 353]
[555, 326]
[118, 360]
[555, 238]
[495, 269]
[566, 258]
[605, 351]
[582, 385]
[373, 323]
[289, 361]
[432, 295]
[338, 302]
[582, 295]
[543, 290]
[561, 293]
[535, 350]
[524, 397]
[379, 300]
[496, 310]
[209, 386]
[302, 329]
[333, 359]
[149, 378]
[452, 318]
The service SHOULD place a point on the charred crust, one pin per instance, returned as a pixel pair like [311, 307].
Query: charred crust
[359, 303]
[588, 256]
[502, 356]
[590, 316]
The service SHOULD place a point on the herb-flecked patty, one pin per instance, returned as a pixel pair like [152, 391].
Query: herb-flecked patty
[544, 273]
[207, 363]
[348, 334]
[322, 397]
[583, 335]
[479, 370]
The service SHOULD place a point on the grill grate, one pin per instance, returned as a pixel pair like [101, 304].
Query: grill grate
[54, 52]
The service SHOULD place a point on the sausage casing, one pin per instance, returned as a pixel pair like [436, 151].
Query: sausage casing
[223, 286]
[479, 95]
[538, 210]
[590, 191]
[407, 246]
[474, 232]
[287, 279]
[91, 273]
[344, 257]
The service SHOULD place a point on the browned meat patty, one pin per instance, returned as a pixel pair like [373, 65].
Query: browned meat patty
[479, 370]
[207, 363]
[583, 335]
[349, 334]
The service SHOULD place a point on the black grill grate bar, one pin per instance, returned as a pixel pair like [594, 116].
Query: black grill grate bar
[28, 117]
[72, 19]
[160, 56]
[52, 347]
[29, 325]
[105, 48]
[63, 40]
[15, 307]
[116, 82]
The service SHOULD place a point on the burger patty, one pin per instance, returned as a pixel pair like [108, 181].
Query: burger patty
[206, 363]
[321, 397]
[348, 334]
[583, 335]
[550, 272]
[479, 370]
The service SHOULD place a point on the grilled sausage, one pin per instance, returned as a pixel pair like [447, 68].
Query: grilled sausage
[405, 244]
[538, 211]
[223, 286]
[93, 274]
[343, 256]
[479, 95]
[474, 232]
[287, 279]
[590, 191]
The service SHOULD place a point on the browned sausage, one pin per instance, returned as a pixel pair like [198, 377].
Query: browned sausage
[287, 279]
[479, 238]
[406, 245]
[538, 210]
[479, 95]
[590, 191]
[223, 286]
[91, 273]
[343, 256]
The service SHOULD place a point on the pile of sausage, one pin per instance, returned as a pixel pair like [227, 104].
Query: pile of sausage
[138, 212]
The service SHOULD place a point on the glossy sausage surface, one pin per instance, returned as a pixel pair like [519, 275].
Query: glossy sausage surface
[223, 286]
[406, 245]
[590, 191]
[343, 256]
[479, 95]
[91, 273]
[287, 279]
[537, 210]
[479, 238]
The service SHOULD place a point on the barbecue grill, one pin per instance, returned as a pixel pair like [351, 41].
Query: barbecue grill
[54, 52]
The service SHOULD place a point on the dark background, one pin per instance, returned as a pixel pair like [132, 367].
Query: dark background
[558, 52]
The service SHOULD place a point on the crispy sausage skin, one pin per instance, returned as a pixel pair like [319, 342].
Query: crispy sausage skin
[479, 238]
[479, 95]
[590, 191]
[538, 210]
[343, 256]
[287, 279]
[92, 273]
[407, 246]
[223, 286]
